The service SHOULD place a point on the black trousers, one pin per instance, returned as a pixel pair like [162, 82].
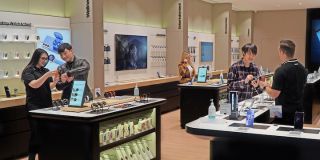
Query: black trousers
[35, 138]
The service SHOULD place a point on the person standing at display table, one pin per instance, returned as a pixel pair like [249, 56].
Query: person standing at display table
[186, 69]
[241, 74]
[288, 84]
[74, 69]
[38, 83]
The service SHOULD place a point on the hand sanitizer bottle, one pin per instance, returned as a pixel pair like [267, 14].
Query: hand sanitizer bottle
[136, 90]
[212, 111]
[221, 78]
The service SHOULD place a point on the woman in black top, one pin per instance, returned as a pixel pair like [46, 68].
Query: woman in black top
[38, 82]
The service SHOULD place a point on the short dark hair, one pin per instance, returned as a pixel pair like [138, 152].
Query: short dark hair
[249, 47]
[287, 47]
[64, 46]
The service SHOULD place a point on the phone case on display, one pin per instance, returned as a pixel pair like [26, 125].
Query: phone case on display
[125, 130]
[129, 153]
[137, 151]
[6, 89]
[136, 129]
[124, 154]
[105, 137]
[131, 131]
[101, 137]
[143, 151]
[120, 131]
[109, 137]
[145, 145]
[117, 135]
[119, 155]
[135, 157]
[150, 122]
[114, 134]
[105, 157]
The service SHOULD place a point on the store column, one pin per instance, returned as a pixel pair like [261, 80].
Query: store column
[245, 26]
[87, 37]
[222, 31]
[176, 22]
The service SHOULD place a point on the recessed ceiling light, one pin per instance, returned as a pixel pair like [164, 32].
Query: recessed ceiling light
[300, 3]
[278, 5]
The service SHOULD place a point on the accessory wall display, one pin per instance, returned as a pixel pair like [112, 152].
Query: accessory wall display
[158, 50]
[16, 48]
[235, 50]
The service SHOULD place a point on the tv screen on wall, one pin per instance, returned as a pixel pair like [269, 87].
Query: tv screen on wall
[206, 51]
[315, 42]
[131, 52]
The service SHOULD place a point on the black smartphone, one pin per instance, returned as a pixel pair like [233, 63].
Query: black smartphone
[298, 120]
[6, 89]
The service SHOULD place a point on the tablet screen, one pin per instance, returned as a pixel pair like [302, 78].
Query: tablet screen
[202, 74]
[77, 94]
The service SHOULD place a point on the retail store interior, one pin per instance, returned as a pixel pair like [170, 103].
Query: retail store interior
[159, 79]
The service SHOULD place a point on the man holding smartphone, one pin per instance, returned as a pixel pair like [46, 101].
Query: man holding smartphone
[74, 69]
[242, 75]
[288, 83]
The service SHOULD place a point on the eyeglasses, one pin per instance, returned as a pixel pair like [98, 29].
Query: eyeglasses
[44, 58]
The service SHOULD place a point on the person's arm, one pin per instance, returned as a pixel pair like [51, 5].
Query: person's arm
[274, 90]
[61, 86]
[37, 83]
[81, 70]
[182, 70]
[62, 81]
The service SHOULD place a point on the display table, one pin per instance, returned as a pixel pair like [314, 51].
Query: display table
[92, 135]
[195, 99]
[232, 140]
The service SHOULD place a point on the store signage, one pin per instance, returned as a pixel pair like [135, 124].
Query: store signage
[88, 8]
[18, 24]
[180, 16]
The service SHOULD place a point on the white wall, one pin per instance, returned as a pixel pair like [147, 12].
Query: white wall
[272, 26]
[117, 76]
[134, 12]
[42, 7]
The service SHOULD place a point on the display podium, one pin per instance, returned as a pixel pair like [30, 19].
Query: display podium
[132, 129]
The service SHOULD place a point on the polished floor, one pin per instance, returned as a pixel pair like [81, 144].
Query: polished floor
[176, 144]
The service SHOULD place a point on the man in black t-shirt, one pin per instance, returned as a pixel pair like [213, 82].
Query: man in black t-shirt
[288, 83]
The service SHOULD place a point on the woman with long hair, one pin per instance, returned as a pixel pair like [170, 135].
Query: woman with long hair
[38, 82]
[186, 69]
